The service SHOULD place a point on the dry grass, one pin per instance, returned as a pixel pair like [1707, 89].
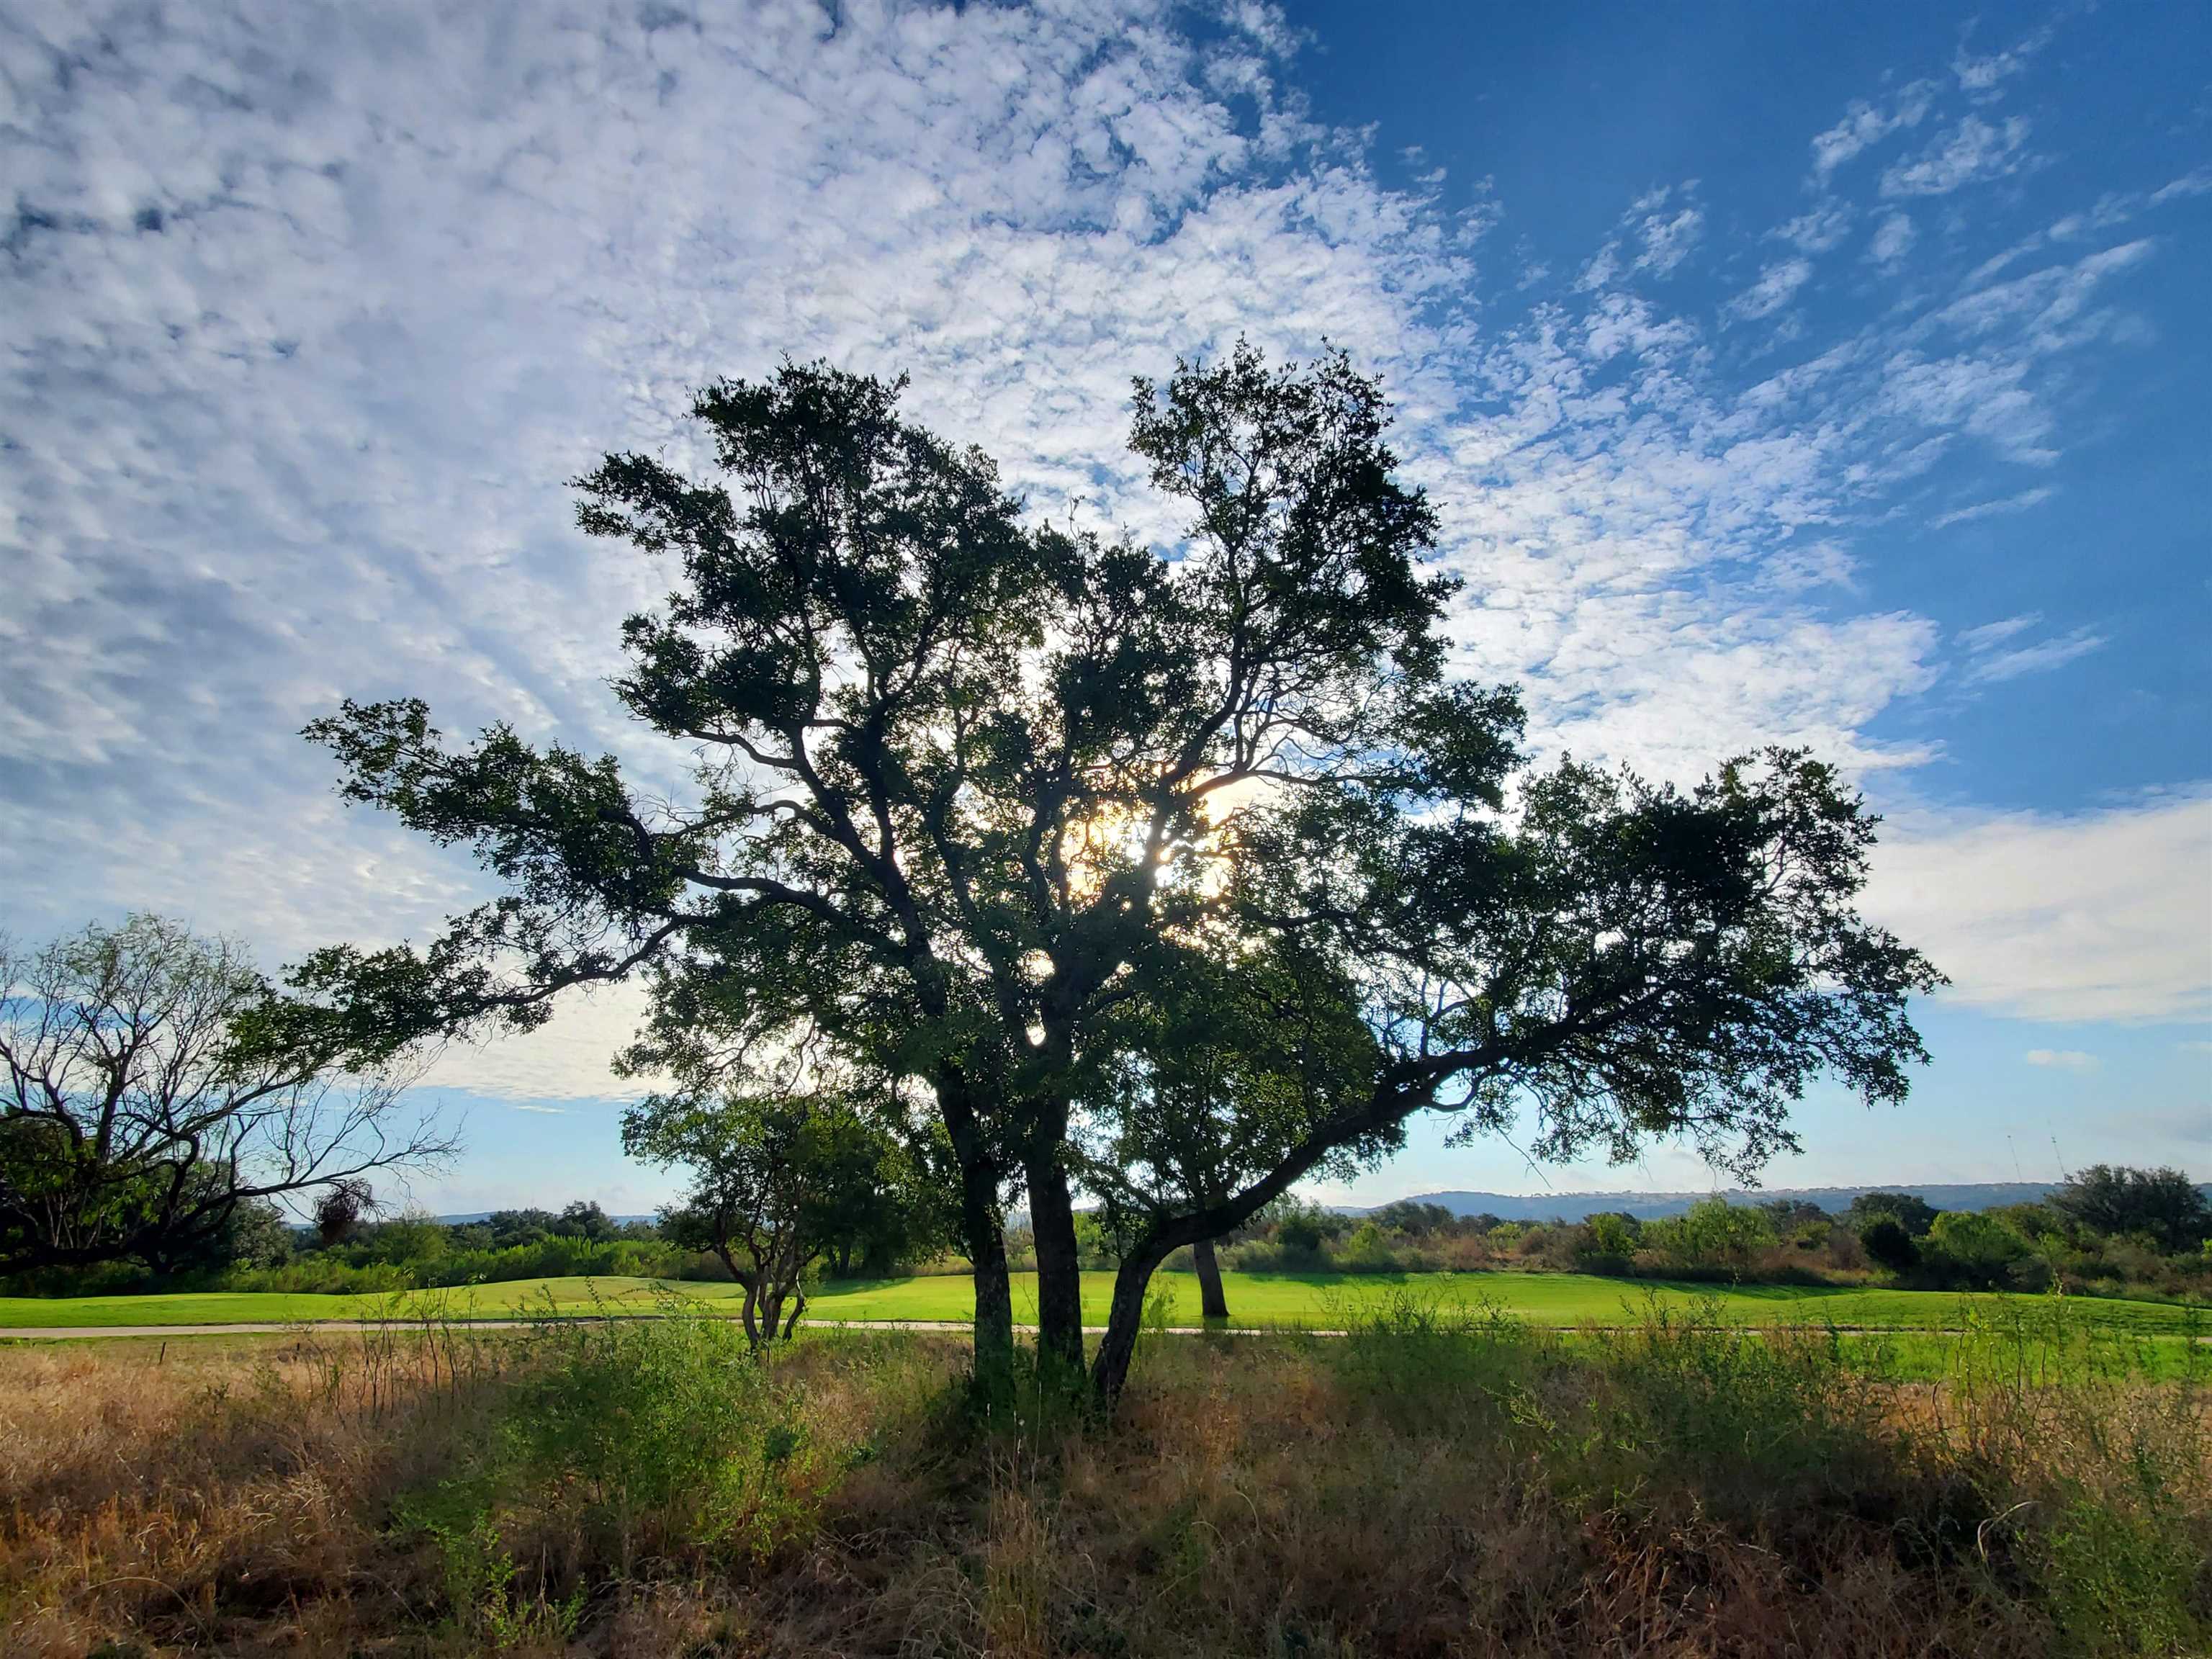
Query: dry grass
[182, 1494]
[1415, 1490]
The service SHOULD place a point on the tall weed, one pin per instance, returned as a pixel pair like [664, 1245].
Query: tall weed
[626, 1447]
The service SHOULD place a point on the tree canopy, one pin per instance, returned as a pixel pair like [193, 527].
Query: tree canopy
[1179, 874]
[2164, 1204]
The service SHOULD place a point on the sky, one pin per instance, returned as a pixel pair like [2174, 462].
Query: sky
[1825, 375]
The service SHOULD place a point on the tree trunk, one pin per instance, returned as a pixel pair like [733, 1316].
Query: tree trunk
[1109, 1369]
[752, 1322]
[797, 1307]
[984, 1232]
[1211, 1304]
[771, 1312]
[1059, 1270]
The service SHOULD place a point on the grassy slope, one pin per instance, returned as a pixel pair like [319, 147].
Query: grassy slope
[1317, 1300]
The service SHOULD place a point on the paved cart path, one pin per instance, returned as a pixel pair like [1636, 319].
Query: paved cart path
[303, 1327]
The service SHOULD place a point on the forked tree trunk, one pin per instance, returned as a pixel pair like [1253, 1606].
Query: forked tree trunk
[1211, 1304]
[1059, 1271]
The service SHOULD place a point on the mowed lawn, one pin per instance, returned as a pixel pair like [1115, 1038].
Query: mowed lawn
[1316, 1301]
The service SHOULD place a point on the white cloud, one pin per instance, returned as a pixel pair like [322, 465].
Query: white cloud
[1864, 125]
[1668, 240]
[2008, 505]
[1987, 395]
[569, 1058]
[1817, 231]
[2062, 1059]
[1981, 75]
[1776, 286]
[1599, 269]
[2095, 916]
[1990, 634]
[2037, 659]
[1989, 664]
[319, 305]
[1892, 241]
[1973, 152]
[2190, 184]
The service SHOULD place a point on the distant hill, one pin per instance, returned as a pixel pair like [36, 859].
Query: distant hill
[1574, 1207]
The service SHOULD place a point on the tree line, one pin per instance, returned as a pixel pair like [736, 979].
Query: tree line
[2107, 1229]
[1162, 878]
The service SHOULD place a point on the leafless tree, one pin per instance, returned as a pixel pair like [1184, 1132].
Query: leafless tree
[150, 1085]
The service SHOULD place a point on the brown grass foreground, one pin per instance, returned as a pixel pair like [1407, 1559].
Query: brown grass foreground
[1418, 1488]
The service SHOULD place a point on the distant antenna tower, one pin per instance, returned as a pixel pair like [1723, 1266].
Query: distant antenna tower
[2014, 1144]
[2061, 1156]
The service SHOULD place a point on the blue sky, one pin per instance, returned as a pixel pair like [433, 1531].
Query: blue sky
[1823, 374]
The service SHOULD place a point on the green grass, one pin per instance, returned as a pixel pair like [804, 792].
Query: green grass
[1313, 1300]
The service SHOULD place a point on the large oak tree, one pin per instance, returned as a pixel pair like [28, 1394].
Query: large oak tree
[981, 803]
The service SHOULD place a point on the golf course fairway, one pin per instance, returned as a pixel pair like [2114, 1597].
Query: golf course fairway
[1314, 1301]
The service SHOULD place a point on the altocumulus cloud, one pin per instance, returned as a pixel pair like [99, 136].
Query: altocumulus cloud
[309, 310]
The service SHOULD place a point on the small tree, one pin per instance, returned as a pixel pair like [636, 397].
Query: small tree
[1211, 1080]
[1887, 1244]
[261, 1236]
[1909, 1210]
[1965, 1247]
[151, 1084]
[1711, 1233]
[504, 1229]
[2163, 1204]
[775, 1176]
[583, 1218]
[1609, 1238]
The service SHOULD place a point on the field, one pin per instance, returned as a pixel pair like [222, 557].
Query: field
[1313, 1300]
[1428, 1485]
